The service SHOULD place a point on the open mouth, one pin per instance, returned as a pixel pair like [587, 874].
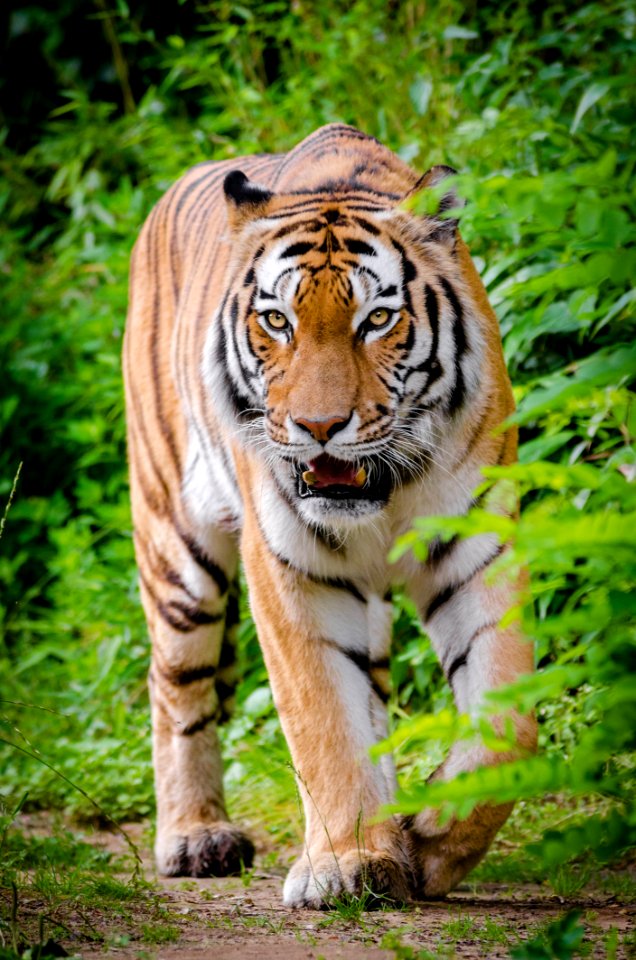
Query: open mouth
[326, 476]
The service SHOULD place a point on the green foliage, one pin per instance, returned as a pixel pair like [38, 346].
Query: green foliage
[535, 110]
[560, 941]
[576, 531]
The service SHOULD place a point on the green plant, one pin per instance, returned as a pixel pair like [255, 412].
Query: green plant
[159, 933]
[561, 940]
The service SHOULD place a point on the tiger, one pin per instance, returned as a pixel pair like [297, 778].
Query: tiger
[309, 365]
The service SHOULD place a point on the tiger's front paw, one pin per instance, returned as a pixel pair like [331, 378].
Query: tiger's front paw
[319, 882]
[217, 850]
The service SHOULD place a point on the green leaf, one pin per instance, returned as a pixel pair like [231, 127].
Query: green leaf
[459, 33]
[591, 96]
[420, 93]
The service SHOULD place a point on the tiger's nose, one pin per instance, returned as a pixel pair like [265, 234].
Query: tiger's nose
[323, 430]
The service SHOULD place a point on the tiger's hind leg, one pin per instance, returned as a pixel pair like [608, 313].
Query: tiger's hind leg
[186, 594]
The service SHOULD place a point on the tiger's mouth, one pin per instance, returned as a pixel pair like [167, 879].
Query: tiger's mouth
[326, 476]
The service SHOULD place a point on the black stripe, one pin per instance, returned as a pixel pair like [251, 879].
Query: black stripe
[441, 598]
[432, 312]
[383, 695]
[171, 576]
[313, 225]
[409, 273]
[296, 249]
[173, 621]
[370, 227]
[206, 563]
[458, 392]
[184, 618]
[181, 678]
[232, 613]
[359, 246]
[336, 583]
[382, 664]
[314, 204]
[329, 189]
[408, 267]
[360, 659]
[198, 725]
[225, 691]
[462, 659]
[193, 615]
[445, 595]
[439, 549]
[234, 317]
[458, 662]
[241, 404]
[366, 270]
[364, 663]
[389, 386]
[339, 583]
[431, 364]
[390, 291]
[159, 565]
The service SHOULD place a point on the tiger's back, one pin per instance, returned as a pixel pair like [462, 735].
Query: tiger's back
[308, 367]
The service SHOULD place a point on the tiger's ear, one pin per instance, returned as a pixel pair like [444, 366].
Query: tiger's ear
[437, 202]
[245, 200]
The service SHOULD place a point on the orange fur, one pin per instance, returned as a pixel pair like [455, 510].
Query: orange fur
[219, 402]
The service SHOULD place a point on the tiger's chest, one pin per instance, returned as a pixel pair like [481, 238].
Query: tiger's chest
[219, 478]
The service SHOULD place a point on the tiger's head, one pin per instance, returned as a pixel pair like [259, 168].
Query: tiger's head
[343, 343]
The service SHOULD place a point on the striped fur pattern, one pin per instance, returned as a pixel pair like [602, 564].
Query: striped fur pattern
[308, 368]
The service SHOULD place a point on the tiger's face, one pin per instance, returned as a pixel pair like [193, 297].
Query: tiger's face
[344, 343]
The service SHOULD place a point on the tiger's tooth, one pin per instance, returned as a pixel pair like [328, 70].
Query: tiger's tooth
[309, 477]
[360, 477]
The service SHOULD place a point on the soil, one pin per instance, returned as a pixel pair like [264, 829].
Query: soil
[244, 919]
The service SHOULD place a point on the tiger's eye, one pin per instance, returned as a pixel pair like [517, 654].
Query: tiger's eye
[276, 319]
[379, 317]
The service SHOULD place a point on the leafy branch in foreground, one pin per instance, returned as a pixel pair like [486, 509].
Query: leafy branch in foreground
[576, 535]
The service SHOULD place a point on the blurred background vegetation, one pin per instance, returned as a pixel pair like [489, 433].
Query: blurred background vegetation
[102, 105]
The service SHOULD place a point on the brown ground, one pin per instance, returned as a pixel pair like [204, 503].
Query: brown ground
[244, 919]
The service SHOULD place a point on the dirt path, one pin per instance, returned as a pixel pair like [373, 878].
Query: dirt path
[244, 919]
